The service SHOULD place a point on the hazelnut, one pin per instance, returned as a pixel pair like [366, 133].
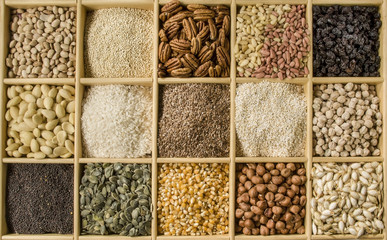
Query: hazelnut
[276, 217]
[266, 177]
[242, 178]
[239, 213]
[269, 166]
[256, 210]
[238, 229]
[263, 219]
[304, 179]
[272, 187]
[288, 217]
[294, 209]
[301, 171]
[277, 210]
[270, 204]
[261, 188]
[285, 202]
[248, 215]
[280, 225]
[255, 231]
[280, 166]
[275, 172]
[303, 190]
[277, 180]
[269, 196]
[291, 166]
[244, 206]
[260, 170]
[268, 212]
[256, 218]
[257, 180]
[246, 231]
[243, 198]
[244, 169]
[282, 190]
[253, 201]
[278, 197]
[264, 230]
[296, 218]
[296, 180]
[290, 193]
[284, 231]
[241, 223]
[250, 173]
[249, 184]
[302, 213]
[289, 181]
[270, 224]
[262, 204]
[296, 200]
[298, 224]
[249, 223]
[286, 172]
[301, 230]
[295, 188]
[289, 225]
[292, 231]
[241, 189]
[253, 193]
[302, 201]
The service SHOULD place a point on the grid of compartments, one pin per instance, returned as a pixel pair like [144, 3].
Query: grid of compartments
[80, 83]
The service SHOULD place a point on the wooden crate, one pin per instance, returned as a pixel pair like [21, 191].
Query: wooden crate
[80, 82]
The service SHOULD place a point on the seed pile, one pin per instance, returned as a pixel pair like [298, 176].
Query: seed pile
[42, 43]
[346, 41]
[347, 120]
[194, 120]
[193, 199]
[116, 199]
[272, 41]
[194, 40]
[270, 119]
[40, 121]
[271, 198]
[347, 198]
[117, 121]
[118, 43]
[39, 198]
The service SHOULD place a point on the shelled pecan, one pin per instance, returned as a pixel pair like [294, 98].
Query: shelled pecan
[194, 40]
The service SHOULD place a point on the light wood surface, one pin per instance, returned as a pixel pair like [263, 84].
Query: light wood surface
[81, 82]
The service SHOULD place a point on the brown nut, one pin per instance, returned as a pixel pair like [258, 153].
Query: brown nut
[269, 196]
[261, 188]
[290, 193]
[296, 180]
[277, 210]
[276, 217]
[255, 231]
[292, 166]
[284, 231]
[294, 209]
[303, 180]
[277, 180]
[288, 217]
[282, 190]
[296, 200]
[246, 231]
[295, 188]
[248, 185]
[286, 172]
[280, 225]
[253, 201]
[269, 166]
[244, 206]
[250, 173]
[286, 202]
[255, 210]
[278, 197]
[280, 166]
[243, 198]
[301, 171]
[270, 204]
[249, 223]
[301, 230]
[242, 178]
[255, 218]
[241, 189]
[263, 219]
[262, 204]
[268, 212]
[266, 177]
[264, 230]
[297, 224]
[248, 215]
[272, 188]
[275, 172]
[303, 190]
[238, 229]
[257, 180]
[253, 193]
[241, 223]
[260, 170]
[239, 213]
[302, 213]
[270, 224]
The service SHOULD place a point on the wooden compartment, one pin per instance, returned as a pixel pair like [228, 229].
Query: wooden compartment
[80, 82]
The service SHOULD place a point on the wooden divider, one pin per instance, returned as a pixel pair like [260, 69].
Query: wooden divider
[81, 82]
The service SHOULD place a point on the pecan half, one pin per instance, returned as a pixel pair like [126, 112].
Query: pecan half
[200, 25]
[226, 25]
[180, 46]
[196, 45]
[163, 36]
[223, 57]
[170, 6]
[206, 56]
[211, 71]
[172, 64]
[193, 7]
[164, 52]
[181, 72]
[202, 70]
[161, 72]
[165, 16]
[172, 30]
[203, 34]
[203, 14]
[222, 37]
[189, 29]
[218, 70]
[213, 29]
[178, 17]
[190, 61]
